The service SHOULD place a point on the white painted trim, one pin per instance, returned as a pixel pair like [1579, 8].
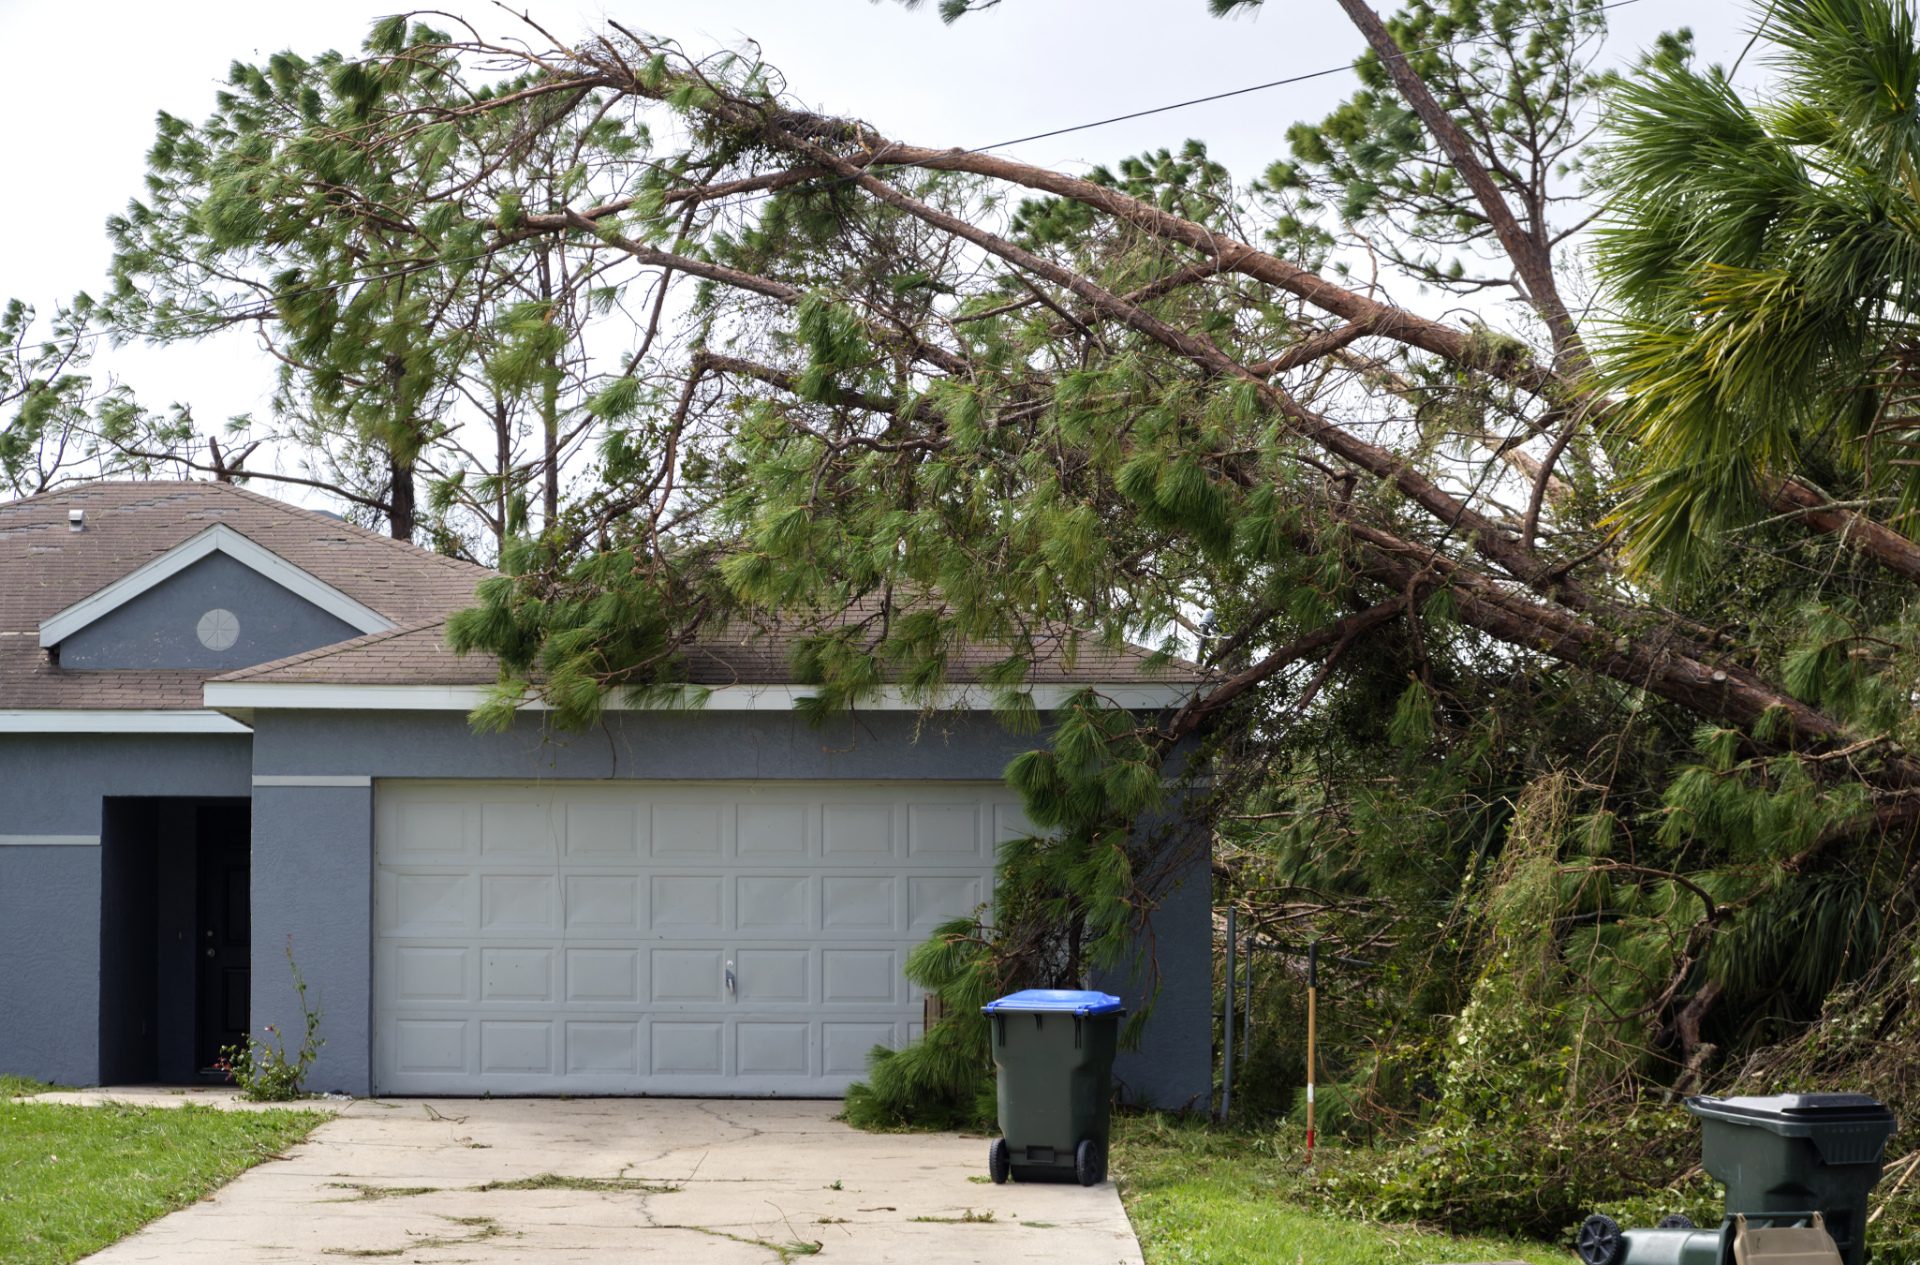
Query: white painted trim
[312, 779]
[218, 538]
[238, 695]
[55, 720]
[44, 841]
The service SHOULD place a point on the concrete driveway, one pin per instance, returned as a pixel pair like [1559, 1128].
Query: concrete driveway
[533, 1181]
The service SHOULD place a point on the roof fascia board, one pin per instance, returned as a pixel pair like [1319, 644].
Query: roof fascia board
[103, 721]
[218, 538]
[297, 695]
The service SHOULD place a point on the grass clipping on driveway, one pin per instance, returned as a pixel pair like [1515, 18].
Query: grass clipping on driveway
[1201, 1195]
[74, 1179]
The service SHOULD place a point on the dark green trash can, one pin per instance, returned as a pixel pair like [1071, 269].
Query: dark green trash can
[1782, 1159]
[1053, 1049]
[1798, 1153]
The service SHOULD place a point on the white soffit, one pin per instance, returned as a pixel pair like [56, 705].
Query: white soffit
[218, 538]
[76, 721]
[240, 695]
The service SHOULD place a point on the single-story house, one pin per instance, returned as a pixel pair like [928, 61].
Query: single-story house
[229, 728]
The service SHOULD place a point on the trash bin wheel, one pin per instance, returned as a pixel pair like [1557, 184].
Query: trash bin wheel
[999, 1162]
[1676, 1221]
[1600, 1241]
[1089, 1165]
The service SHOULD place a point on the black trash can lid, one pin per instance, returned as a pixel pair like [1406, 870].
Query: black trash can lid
[1793, 1115]
[1053, 1001]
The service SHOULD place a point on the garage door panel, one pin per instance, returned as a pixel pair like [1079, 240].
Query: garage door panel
[686, 830]
[858, 831]
[430, 1045]
[602, 1047]
[689, 904]
[429, 973]
[859, 976]
[933, 899]
[687, 975]
[516, 1046]
[845, 1045]
[603, 975]
[518, 902]
[943, 830]
[520, 830]
[518, 974]
[773, 1049]
[772, 902]
[602, 830]
[431, 830]
[431, 904]
[578, 937]
[771, 830]
[857, 902]
[603, 902]
[686, 1049]
[774, 975]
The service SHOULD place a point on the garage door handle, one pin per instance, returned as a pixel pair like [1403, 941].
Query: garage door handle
[730, 990]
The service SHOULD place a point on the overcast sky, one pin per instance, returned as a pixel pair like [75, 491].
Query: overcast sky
[83, 86]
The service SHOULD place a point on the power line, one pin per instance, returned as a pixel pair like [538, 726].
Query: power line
[1281, 83]
[747, 198]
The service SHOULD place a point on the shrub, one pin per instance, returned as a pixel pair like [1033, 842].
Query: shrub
[263, 1072]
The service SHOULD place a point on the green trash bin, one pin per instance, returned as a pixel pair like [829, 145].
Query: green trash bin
[1053, 1049]
[1798, 1153]
[1782, 1159]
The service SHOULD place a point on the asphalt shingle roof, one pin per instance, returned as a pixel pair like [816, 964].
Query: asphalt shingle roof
[418, 655]
[45, 568]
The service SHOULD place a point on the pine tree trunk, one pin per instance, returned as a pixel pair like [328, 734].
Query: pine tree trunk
[400, 497]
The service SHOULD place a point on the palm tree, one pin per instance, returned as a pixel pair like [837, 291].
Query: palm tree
[1762, 263]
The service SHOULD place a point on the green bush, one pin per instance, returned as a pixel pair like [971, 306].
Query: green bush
[263, 1072]
[1527, 1175]
[945, 1079]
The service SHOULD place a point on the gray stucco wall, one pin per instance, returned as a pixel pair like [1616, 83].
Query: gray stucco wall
[52, 784]
[50, 897]
[313, 846]
[313, 890]
[313, 856]
[693, 745]
[50, 940]
[158, 628]
[1173, 1068]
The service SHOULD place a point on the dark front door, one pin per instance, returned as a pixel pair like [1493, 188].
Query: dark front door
[223, 951]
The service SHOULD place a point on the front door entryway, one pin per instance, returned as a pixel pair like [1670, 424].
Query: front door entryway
[223, 950]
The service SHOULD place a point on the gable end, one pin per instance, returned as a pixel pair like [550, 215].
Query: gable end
[223, 540]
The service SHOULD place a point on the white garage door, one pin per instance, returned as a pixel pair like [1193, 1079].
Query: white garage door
[662, 938]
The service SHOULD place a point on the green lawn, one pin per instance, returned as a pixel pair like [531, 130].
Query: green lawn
[74, 1179]
[20, 1086]
[1198, 1196]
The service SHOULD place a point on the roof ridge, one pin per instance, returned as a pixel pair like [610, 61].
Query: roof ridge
[217, 488]
[367, 532]
[338, 647]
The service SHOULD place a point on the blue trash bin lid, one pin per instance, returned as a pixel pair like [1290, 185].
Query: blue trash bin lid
[1053, 1001]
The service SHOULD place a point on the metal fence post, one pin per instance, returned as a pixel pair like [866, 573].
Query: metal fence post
[1226, 1059]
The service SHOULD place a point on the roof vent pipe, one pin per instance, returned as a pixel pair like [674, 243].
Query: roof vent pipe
[76, 520]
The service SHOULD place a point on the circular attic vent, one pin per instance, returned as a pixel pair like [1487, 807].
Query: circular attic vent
[218, 629]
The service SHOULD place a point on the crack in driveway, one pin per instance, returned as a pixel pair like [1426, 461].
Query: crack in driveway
[735, 1182]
